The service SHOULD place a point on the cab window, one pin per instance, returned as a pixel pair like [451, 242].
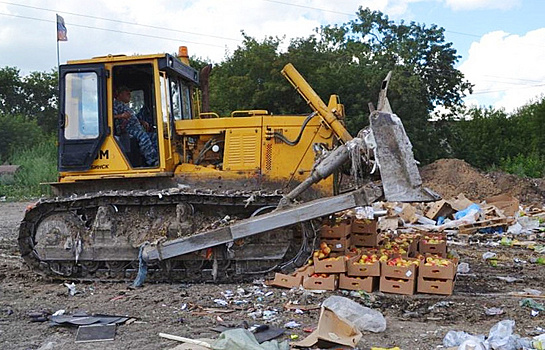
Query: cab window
[181, 101]
[81, 106]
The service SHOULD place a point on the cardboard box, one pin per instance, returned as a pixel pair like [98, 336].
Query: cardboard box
[286, 281]
[435, 286]
[388, 224]
[364, 226]
[408, 214]
[439, 208]
[397, 285]
[366, 239]
[305, 270]
[437, 272]
[424, 247]
[504, 202]
[331, 330]
[338, 245]
[460, 202]
[320, 283]
[337, 231]
[367, 284]
[404, 272]
[330, 265]
[355, 269]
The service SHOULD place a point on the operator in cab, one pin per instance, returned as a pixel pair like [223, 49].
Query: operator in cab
[126, 121]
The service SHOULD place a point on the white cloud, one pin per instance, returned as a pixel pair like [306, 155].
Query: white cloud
[461, 5]
[507, 68]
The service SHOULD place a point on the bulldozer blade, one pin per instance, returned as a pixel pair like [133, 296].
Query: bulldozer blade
[401, 180]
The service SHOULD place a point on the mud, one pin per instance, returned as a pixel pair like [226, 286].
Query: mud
[413, 322]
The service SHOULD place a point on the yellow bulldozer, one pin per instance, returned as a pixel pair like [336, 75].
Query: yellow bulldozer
[229, 196]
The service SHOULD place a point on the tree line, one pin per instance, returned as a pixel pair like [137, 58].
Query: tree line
[350, 60]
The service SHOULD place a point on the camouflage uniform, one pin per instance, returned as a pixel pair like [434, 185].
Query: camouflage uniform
[132, 126]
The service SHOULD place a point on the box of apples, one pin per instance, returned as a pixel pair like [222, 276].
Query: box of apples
[338, 230]
[434, 266]
[367, 284]
[433, 244]
[366, 264]
[330, 264]
[320, 281]
[364, 226]
[400, 267]
[398, 275]
[436, 275]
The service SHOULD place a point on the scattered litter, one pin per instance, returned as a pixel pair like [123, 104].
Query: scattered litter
[84, 319]
[332, 328]
[227, 294]
[532, 291]
[95, 333]
[500, 337]
[47, 346]
[71, 288]
[292, 324]
[362, 317]
[456, 338]
[463, 268]
[59, 312]
[243, 339]
[221, 302]
[489, 255]
[493, 311]
[186, 340]
[269, 314]
[509, 279]
[444, 303]
[531, 303]
[39, 316]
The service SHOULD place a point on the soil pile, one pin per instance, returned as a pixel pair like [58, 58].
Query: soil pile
[450, 177]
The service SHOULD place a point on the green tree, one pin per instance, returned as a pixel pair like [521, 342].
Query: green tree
[248, 79]
[35, 96]
[40, 90]
[11, 97]
[17, 132]
[423, 65]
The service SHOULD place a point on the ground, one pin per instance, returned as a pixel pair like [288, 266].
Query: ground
[413, 322]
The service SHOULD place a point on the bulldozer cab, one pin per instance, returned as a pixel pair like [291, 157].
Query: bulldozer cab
[93, 142]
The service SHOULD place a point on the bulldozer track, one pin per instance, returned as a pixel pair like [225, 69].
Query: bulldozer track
[72, 224]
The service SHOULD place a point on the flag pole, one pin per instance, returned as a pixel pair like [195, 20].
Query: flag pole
[58, 60]
[61, 36]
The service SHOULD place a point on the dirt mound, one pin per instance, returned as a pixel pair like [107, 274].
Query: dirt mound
[449, 177]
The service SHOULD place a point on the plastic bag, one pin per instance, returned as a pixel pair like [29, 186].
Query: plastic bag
[515, 229]
[456, 338]
[528, 224]
[472, 344]
[463, 268]
[500, 336]
[531, 303]
[365, 213]
[243, 339]
[363, 318]
[467, 212]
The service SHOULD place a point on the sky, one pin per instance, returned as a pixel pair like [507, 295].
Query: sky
[501, 43]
